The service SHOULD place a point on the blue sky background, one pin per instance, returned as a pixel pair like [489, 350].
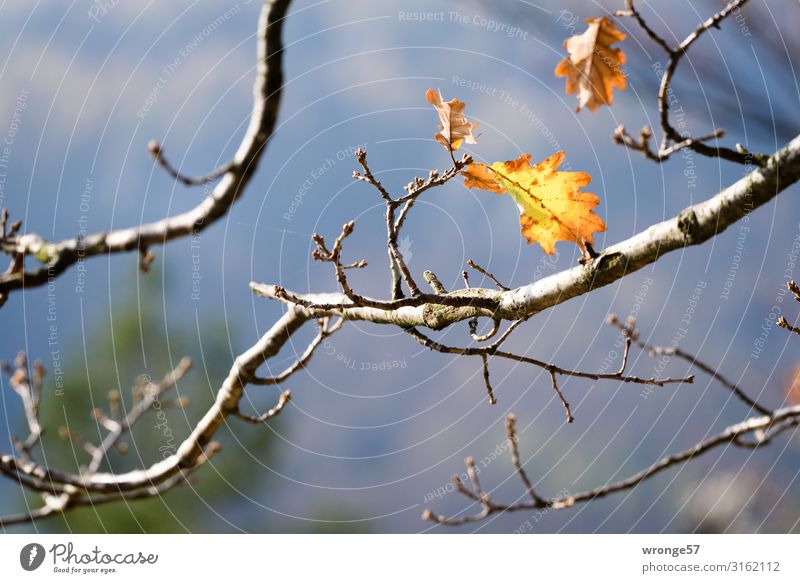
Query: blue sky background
[364, 443]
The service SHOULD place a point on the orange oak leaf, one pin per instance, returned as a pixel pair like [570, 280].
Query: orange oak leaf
[455, 128]
[478, 175]
[593, 68]
[552, 205]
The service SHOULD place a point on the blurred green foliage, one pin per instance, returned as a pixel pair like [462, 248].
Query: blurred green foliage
[134, 342]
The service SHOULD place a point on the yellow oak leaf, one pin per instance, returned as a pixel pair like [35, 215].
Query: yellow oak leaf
[455, 129]
[552, 205]
[593, 68]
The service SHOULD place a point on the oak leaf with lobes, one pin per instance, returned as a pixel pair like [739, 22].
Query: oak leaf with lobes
[455, 128]
[552, 205]
[593, 69]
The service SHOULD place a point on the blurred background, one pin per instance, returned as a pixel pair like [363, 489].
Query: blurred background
[377, 425]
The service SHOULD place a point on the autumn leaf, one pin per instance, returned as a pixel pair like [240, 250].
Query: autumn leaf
[593, 68]
[552, 205]
[792, 389]
[478, 175]
[455, 128]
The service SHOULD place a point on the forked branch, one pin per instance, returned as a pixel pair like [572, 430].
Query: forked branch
[56, 257]
[673, 140]
[761, 430]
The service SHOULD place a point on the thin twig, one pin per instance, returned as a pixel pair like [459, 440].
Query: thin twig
[670, 133]
[783, 323]
[472, 472]
[473, 330]
[324, 332]
[284, 398]
[794, 288]
[511, 427]
[567, 410]
[118, 428]
[157, 152]
[489, 391]
[321, 253]
[621, 136]
[368, 177]
[29, 389]
[632, 11]
[673, 140]
[552, 370]
[58, 256]
[630, 332]
[770, 425]
[480, 269]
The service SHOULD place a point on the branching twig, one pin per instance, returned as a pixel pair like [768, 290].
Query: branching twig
[66, 500]
[769, 425]
[511, 428]
[630, 10]
[58, 256]
[192, 453]
[794, 288]
[321, 253]
[477, 302]
[325, 330]
[673, 140]
[783, 322]
[29, 389]
[693, 226]
[395, 221]
[621, 136]
[552, 370]
[149, 395]
[632, 335]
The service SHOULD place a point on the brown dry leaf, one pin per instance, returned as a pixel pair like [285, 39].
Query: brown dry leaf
[552, 205]
[793, 388]
[593, 68]
[455, 128]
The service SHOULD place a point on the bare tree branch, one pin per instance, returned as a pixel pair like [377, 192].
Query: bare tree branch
[781, 419]
[674, 140]
[193, 450]
[58, 256]
[29, 389]
[61, 491]
[116, 429]
[631, 335]
[67, 500]
[693, 226]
